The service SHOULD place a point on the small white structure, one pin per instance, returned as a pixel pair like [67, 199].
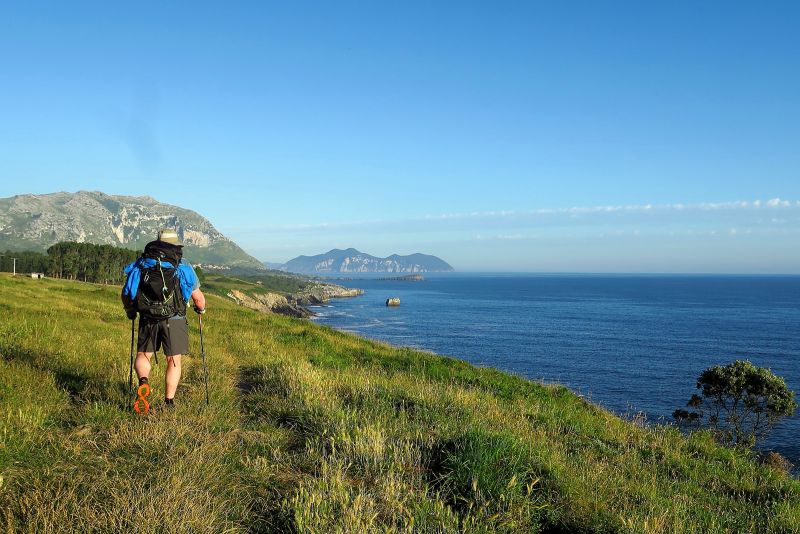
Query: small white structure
[37, 275]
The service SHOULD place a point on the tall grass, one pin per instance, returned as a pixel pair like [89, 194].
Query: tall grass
[313, 430]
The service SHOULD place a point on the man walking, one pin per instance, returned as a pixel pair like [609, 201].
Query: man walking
[158, 286]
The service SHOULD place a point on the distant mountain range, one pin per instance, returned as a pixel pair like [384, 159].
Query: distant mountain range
[353, 261]
[34, 222]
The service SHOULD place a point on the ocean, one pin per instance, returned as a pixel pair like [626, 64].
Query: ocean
[634, 344]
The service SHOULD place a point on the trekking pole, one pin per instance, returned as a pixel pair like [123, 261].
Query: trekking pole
[203, 354]
[130, 372]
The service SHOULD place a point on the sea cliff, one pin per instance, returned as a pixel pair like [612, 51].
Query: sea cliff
[293, 304]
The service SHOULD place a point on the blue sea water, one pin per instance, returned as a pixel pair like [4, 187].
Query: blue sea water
[629, 343]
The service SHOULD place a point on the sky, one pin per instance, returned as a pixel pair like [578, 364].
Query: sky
[500, 136]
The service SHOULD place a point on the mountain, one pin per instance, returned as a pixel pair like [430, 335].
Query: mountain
[353, 261]
[34, 222]
[271, 265]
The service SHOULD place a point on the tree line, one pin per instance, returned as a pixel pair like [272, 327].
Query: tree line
[74, 261]
[27, 261]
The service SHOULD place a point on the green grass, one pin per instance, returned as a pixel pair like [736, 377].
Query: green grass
[313, 430]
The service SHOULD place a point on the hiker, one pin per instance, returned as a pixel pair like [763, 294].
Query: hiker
[158, 287]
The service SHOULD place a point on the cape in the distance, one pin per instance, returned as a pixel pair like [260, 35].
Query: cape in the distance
[353, 261]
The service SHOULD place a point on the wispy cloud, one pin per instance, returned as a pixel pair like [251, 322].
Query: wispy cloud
[501, 237]
[679, 211]
[706, 206]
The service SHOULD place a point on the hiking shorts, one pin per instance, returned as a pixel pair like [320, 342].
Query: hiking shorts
[171, 335]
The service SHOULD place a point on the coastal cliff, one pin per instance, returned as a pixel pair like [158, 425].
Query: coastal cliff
[294, 304]
[321, 293]
[269, 303]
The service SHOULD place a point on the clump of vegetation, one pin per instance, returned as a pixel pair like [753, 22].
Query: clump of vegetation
[89, 262]
[739, 402]
[73, 261]
[778, 462]
[24, 261]
[314, 430]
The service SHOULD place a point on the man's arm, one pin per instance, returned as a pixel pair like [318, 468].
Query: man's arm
[129, 305]
[199, 300]
[189, 278]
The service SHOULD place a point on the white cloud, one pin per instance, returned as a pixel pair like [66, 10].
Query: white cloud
[705, 206]
[778, 203]
[543, 214]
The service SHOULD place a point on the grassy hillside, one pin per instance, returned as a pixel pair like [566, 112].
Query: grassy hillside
[217, 284]
[312, 430]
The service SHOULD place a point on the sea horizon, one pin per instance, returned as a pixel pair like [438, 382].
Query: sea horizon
[377, 275]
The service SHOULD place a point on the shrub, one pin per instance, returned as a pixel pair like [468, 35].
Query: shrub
[739, 402]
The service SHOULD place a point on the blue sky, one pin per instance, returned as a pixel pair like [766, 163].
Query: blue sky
[515, 136]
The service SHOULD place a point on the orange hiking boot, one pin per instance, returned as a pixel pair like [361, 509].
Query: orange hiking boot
[141, 405]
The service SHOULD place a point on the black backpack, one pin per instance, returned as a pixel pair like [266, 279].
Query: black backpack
[159, 294]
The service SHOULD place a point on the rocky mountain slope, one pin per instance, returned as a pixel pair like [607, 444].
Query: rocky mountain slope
[353, 261]
[34, 222]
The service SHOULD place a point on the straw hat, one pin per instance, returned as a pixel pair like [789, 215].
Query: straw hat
[168, 235]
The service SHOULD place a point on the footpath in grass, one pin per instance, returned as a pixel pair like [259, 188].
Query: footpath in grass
[313, 430]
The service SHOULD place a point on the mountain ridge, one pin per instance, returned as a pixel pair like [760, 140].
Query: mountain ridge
[36, 221]
[351, 260]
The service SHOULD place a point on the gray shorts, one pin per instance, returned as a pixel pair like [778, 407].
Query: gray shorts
[171, 335]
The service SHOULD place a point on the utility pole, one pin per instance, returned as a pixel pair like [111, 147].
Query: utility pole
[15, 264]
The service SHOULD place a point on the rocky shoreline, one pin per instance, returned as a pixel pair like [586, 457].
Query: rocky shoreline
[321, 293]
[406, 278]
[296, 304]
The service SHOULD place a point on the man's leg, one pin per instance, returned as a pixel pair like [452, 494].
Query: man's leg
[142, 367]
[173, 376]
[142, 364]
[176, 343]
[146, 345]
